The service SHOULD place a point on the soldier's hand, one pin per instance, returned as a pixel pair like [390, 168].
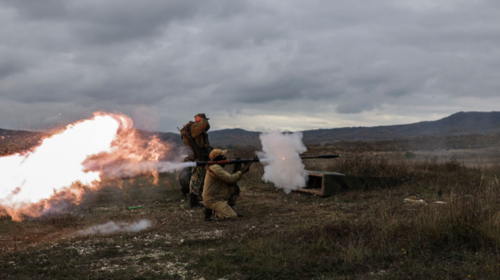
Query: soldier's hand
[237, 166]
[246, 168]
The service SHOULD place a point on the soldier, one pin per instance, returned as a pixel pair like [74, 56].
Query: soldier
[195, 136]
[220, 188]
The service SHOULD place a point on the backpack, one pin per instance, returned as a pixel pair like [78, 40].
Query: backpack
[189, 142]
[186, 134]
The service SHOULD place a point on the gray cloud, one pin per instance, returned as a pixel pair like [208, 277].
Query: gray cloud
[11, 64]
[38, 10]
[334, 63]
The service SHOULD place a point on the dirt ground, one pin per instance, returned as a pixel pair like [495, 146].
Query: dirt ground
[44, 247]
[354, 235]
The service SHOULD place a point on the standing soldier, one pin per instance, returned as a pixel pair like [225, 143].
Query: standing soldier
[195, 136]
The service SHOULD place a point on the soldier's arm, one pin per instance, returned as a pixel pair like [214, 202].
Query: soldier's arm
[224, 175]
[199, 127]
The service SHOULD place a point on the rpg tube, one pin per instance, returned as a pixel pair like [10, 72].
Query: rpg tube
[234, 161]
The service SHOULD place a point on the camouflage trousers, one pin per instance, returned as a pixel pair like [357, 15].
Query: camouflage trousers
[197, 179]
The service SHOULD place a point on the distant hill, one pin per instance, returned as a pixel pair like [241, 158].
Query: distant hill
[237, 136]
[459, 124]
[170, 137]
[462, 123]
[18, 140]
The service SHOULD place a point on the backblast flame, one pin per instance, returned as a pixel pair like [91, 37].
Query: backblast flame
[55, 169]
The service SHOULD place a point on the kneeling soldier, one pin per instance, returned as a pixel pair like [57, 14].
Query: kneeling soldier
[220, 187]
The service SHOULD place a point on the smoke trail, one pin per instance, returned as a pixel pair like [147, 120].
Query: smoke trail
[129, 170]
[284, 166]
[112, 227]
[134, 156]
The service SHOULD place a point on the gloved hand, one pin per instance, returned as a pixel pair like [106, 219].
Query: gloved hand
[237, 166]
[246, 168]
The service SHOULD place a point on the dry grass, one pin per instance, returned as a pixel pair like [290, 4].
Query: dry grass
[354, 235]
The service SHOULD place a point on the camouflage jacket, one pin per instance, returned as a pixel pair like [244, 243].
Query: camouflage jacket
[199, 134]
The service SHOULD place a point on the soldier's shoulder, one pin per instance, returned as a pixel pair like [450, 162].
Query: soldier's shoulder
[190, 123]
[202, 123]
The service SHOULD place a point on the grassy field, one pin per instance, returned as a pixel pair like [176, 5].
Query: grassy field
[353, 235]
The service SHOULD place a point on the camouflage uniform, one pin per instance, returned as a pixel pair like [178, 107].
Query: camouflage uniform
[199, 134]
[197, 179]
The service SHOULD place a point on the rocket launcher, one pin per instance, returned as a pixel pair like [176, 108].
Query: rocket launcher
[236, 161]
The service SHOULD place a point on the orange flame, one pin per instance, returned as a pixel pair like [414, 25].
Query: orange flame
[55, 169]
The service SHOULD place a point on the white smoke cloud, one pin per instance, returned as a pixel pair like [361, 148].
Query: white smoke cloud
[112, 227]
[283, 166]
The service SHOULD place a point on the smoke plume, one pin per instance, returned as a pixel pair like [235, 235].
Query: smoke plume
[112, 227]
[124, 170]
[134, 156]
[283, 165]
[65, 165]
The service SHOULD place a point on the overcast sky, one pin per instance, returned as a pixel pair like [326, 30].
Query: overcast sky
[256, 65]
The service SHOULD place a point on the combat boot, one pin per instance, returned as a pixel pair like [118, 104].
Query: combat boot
[239, 215]
[208, 214]
[193, 200]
